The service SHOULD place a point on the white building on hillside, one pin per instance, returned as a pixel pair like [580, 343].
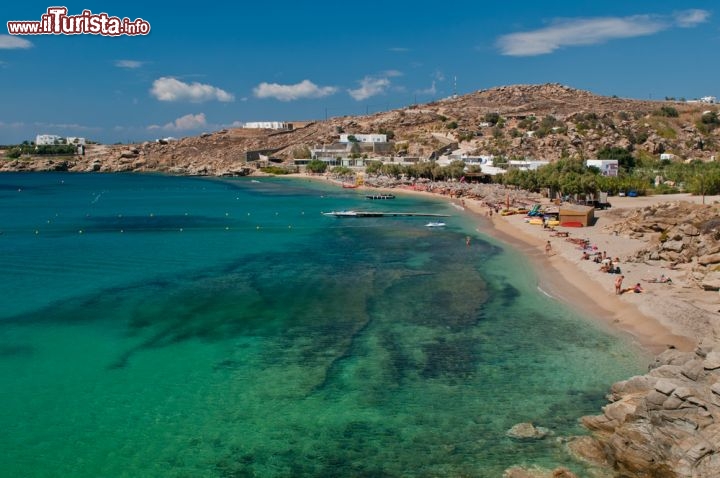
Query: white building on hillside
[48, 139]
[607, 167]
[705, 99]
[364, 138]
[266, 125]
[51, 139]
[526, 165]
[461, 155]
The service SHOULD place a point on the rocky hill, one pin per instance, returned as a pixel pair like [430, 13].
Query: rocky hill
[523, 121]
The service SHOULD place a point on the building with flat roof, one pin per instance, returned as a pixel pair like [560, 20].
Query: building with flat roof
[607, 167]
[528, 165]
[48, 139]
[364, 138]
[266, 125]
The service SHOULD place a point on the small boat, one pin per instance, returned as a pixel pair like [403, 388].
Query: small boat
[380, 196]
[435, 224]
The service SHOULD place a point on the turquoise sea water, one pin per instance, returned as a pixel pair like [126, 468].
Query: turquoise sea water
[187, 327]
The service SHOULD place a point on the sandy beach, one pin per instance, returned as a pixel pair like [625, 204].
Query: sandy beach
[663, 315]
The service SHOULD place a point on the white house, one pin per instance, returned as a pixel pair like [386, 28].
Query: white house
[607, 167]
[266, 125]
[74, 140]
[527, 165]
[667, 156]
[364, 138]
[461, 155]
[705, 99]
[47, 139]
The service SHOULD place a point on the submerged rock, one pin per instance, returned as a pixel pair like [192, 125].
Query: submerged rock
[527, 431]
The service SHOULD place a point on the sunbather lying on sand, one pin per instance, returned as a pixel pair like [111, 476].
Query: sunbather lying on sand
[662, 279]
[637, 288]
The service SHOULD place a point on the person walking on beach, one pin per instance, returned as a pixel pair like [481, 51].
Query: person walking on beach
[618, 285]
[548, 248]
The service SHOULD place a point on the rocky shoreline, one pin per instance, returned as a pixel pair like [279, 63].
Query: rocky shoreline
[665, 423]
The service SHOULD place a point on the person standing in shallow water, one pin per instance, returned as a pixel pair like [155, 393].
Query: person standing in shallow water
[548, 248]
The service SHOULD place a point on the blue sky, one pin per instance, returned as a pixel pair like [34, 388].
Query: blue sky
[202, 69]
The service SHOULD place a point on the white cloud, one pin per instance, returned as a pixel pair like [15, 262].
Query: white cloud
[187, 122]
[130, 64]
[690, 18]
[592, 31]
[428, 91]
[304, 89]
[9, 42]
[369, 86]
[391, 73]
[171, 89]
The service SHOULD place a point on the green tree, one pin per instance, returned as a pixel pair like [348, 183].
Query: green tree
[317, 166]
[388, 132]
[373, 167]
[667, 111]
[342, 171]
[492, 118]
